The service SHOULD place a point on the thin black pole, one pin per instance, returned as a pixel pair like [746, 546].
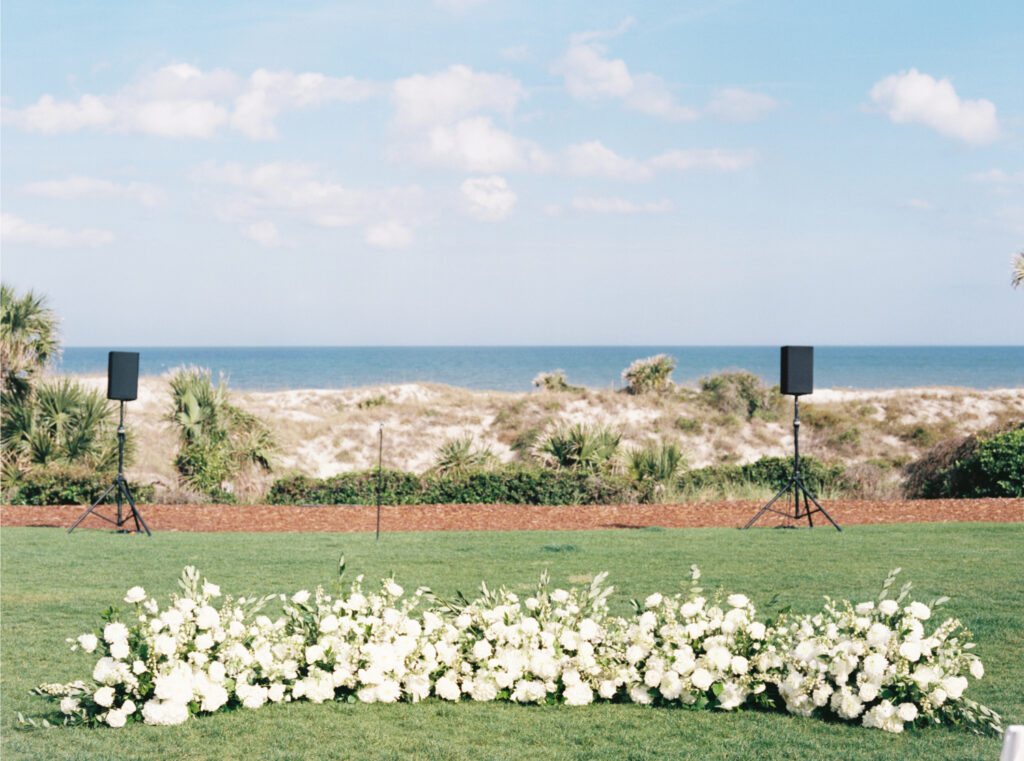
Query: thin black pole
[380, 474]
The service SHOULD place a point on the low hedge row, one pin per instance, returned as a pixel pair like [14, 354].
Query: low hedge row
[510, 485]
[982, 465]
[64, 486]
[532, 486]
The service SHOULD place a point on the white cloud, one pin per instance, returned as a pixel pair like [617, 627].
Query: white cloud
[714, 159]
[181, 101]
[77, 187]
[593, 159]
[263, 233]
[488, 198]
[14, 229]
[293, 190]
[735, 105]
[390, 234]
[453, 94]
[998, 177]
[912, 97]
[589, 73]
[621, 206]
[920, 204]
[476, 145]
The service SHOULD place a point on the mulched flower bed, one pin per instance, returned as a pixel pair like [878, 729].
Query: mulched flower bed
[517, 517]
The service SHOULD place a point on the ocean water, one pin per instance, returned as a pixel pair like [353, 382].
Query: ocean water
[512, 368]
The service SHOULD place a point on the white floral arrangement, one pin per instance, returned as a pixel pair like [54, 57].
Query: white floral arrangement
[872, 663]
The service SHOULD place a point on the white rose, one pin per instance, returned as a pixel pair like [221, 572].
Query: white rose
[88, 642]
[207, 618]
[919, 611]
[135, 594]
[559, 596]
[531, 603]
[653, 601]
[482, 649]
[119, 649]
[907, 711]
[211, 590]
[104, 696]
[165, 644]
[115, 632]
[701, 678]
[578, 695]
[330, 624]
[738, 600]
[864, 608]
[395, 591]
[911, 651]
[740, 665]
[68, 705]
[300, 597]
[204, 641]
[888, 607]
[954, 686]
[756, 630]
[138, 667]
[937, 696]
[128, 707]
[868, 692]
[116, 718]
[977, 669]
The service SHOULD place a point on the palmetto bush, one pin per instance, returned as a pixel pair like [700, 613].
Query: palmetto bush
[650, 374]
[28, 340]
[583, 447]
[655, 466]
[554, 381]
[60, 425]
[458, 456]
[741, 393]
[222, 447]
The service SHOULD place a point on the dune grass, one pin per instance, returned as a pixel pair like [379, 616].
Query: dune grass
[55, 585]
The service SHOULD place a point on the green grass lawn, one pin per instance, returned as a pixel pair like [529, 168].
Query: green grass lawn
[55, 585]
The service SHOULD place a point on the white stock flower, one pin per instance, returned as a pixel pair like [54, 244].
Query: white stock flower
[559, 596]
[88, 642]
[738, 600]
[135, 594]
[204, 641]
[211, 590]
[879, 635]
[482, 649]
[864, 608]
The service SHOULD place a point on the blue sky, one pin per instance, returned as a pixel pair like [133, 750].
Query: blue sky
[497, 172]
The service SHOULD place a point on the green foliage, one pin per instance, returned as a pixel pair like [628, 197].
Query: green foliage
[654, 466]
[458, 456]
[985, 465]
[28, 341]
[583, 447]
[506, 485]
[69, 485]
[1017, 271]
[688, 424]
[741, 393]
[554, 381]
[769, 472]
[373, 401]
[649, 375]
[221, 446]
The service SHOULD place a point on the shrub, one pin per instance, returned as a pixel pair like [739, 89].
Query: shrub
[459, 456]
[654, 467]
[650, 374]
[507, 485]
[740, 393]
[222, 446]
[69, 486]
[582, 447]
[374, 401]
[768, 472]
[554, 381]
[988, 464]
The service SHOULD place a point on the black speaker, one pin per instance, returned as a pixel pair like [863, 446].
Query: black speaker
[123, 375]
[797, 370]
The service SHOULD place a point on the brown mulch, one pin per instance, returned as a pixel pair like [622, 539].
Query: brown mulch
[516, 517]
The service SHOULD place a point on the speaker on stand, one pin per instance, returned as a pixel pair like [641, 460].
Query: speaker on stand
[796, 378]
[123, 386]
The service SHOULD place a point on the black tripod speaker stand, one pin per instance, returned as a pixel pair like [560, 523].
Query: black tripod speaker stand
[796, 484]
[120, 484]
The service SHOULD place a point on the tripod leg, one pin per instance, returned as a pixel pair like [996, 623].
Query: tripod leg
[102, 497]
[771, 502]
[821, 509]
[810, 520]
[135, 512]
